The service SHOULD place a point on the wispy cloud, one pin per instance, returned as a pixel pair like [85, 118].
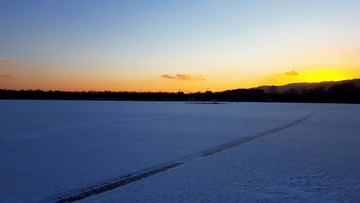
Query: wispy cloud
[7, 76]
[184, 77]
[6, 63]
[292, 73]
[275, 80]
[200, 77]
[168, 76]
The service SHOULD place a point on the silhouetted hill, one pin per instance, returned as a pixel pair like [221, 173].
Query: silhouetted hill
[306, 86]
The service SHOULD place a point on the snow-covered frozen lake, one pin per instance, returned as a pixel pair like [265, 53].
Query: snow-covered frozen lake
[54, 150]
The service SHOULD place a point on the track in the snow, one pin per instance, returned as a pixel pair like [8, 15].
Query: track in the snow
[111, 184]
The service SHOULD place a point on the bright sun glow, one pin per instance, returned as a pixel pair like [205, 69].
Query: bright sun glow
[311, 76]
[324, 75]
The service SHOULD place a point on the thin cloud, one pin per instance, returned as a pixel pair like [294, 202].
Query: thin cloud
[200, 77]
[275, 80]
[6, 63]
[168, 76]
[184, 77]
[7, 76]
[292, 73]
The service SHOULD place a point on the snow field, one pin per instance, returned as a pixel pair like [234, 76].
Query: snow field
[53, 147]
[316, 160]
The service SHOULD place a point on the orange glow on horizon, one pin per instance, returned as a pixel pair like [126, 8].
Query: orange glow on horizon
[38, 77]
[314, 76]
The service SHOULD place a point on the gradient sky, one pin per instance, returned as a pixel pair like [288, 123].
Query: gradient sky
[190, 45]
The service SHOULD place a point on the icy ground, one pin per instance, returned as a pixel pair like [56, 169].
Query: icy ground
[54, 150]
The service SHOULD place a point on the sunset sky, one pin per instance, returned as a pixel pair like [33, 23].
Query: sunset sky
[151, 45]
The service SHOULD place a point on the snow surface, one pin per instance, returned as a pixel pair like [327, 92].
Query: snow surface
[56, 148]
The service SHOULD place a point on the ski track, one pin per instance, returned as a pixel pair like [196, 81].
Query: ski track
[120, 181]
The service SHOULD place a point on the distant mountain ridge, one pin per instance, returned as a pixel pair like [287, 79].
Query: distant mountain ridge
[305, 85]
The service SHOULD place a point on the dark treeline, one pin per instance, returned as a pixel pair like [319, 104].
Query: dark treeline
[341, 93]
[230, 95]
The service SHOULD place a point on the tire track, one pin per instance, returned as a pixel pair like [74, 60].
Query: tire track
[79, 194]
[236, 143]
[111, 184]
